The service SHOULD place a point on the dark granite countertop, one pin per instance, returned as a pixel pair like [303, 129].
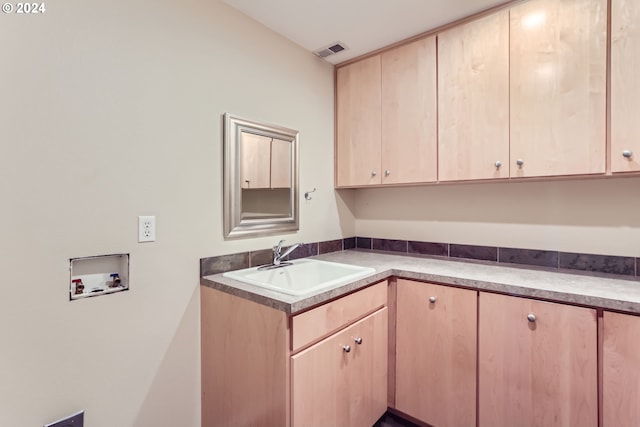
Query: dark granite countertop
[620, 294]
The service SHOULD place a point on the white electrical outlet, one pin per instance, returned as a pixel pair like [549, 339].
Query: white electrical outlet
[146, 229]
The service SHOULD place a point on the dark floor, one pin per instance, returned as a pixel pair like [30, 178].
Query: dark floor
[392, 420]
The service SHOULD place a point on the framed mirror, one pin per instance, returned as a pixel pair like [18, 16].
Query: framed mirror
[260, 178]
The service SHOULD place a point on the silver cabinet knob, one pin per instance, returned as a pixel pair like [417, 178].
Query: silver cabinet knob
[374, 173]
[346, 348]
[627, 154]
[432, 299]
[387, 172]
[358, 340]
[498, 163]
[519, 162]
[531, 317]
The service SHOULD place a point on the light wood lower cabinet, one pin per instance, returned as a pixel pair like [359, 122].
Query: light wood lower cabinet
[537, 363]
[245, 362]
[436, 353]
[342, 380]
[264, 368]
[460, 356]
[621, 370]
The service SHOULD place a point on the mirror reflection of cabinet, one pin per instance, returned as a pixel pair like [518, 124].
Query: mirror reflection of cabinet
[266, 162]
[255, 167]
[280, 163]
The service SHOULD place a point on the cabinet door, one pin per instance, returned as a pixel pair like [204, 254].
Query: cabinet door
[473, 100]
[255, 167]
[558, 87]
[436, 353]
[625, 87]
[333, 387]
[280, 164]
[358, 123]
[536, 372]
[409, 139]
[621, 370]
[244, 346]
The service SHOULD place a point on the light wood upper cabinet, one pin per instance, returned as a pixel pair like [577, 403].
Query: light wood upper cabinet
[536, 371]
[625, 87]
[473, 100]
[386, 117]
[409, 139]
[521, 92]
[621, 370]
[358, 105]
[436, 353]
[558, 87]
[342, 380]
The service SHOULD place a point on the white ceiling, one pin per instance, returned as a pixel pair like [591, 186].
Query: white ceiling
[361, 25]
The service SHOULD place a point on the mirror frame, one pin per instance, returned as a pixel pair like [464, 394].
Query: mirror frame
[235, 226]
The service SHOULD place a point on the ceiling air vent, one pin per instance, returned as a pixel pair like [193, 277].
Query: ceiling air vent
[330, 50]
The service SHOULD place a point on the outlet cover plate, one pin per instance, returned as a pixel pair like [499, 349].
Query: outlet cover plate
[146, 229]
[75, 420]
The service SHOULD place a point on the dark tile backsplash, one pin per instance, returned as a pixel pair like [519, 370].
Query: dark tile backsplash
[261, 257]
[390, 245]
[528, 257]
[303, 251]
[554, 260]
[598, 263]
[220, 264]
[330, 246]
[363, 243]
[482, 253]
[349, 243]
[428, 248]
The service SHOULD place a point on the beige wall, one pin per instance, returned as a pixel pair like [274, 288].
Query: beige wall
[597, 216]
[113, 110]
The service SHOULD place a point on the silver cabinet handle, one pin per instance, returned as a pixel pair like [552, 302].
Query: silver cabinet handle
[387, 172]
[346, 348]
[498, 163]
[374, 173]
[531, 317]
[358, 340]
[519, 162]
[627, 154]
[432, 299]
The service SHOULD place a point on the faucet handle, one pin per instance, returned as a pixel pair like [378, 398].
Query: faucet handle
[277, 248]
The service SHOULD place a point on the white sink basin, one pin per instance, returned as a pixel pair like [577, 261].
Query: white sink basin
[302, 276]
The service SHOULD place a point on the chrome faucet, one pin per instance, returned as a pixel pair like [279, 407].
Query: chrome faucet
[278, 256]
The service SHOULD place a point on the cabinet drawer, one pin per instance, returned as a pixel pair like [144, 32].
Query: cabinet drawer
[319, 322]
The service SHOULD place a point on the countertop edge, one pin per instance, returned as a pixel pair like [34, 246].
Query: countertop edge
[564, 288]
